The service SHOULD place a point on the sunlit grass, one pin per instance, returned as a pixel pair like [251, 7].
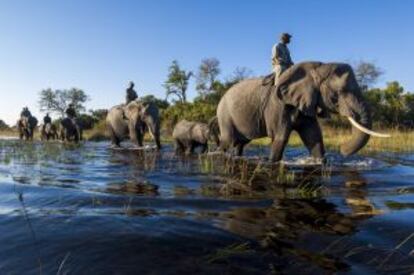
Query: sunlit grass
[97, 133]
[400, 141]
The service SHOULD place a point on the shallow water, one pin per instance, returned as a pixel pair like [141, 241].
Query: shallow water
[93, 210]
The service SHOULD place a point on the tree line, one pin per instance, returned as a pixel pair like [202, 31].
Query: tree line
[391, 106]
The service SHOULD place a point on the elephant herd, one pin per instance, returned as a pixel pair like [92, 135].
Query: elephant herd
[251, 109]
[67, 130]
[133, 119]
[256, 108]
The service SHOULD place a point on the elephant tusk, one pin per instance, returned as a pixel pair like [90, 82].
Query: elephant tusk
[367, 131]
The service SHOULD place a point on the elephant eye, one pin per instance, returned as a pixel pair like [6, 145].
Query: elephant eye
[333, 99]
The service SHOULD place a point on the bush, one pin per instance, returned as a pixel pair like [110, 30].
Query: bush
[197, 111]
[4, 126]
[392, 106]
[98, 132]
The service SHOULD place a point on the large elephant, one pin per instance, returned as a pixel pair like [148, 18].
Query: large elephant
[253, 109]
[26, 126]
[49, 131]
[188, 135]
[70, 130]
[130, 121]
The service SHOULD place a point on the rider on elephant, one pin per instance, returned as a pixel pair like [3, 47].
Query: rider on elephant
[131, 94]
[25, 112]
[281, 60]
[70, 111]
[47, 119]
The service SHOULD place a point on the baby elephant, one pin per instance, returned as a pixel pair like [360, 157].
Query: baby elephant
[189, 134]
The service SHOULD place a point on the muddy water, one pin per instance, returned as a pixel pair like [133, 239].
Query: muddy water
[92, 210]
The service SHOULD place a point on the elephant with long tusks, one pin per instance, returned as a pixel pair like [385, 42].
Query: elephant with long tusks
[131, 120]
[253, 109]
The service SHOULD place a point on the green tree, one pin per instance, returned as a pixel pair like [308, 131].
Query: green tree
[391, 106]
[177, 82]
[98, 114]
[161, 103]
[393, 96]
[219, 88]
[3, 125]
[197, 111]
[208, 72]
[57, 101]
[409, 105]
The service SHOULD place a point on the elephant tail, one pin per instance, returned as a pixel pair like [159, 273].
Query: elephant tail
[214, 129]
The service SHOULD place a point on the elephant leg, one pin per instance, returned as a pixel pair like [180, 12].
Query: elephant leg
[278, 145]
[158, 141]
[192, 147]
[78, 135]
[140, 138]
[204, 148]
[179, 147]
[226, 140]
[311, 135]
[155, 133]
[239, 149]
[189, 147]
[114, 139]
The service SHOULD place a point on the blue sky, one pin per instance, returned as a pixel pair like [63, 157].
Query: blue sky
[99, 45]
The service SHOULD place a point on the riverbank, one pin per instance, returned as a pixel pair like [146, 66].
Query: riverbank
[400, 141]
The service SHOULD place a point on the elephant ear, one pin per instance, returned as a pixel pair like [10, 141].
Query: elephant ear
[296, 88]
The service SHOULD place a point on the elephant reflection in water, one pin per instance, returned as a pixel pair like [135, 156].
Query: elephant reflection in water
[144, 160]
[285, 226]
[279, 227]
[356, 196]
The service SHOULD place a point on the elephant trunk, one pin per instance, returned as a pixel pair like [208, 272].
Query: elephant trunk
[133, 135]
[360, 117]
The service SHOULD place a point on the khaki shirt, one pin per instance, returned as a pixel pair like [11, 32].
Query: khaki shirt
[281, 55]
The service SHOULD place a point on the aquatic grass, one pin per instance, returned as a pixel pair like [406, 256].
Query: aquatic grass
[223, 254]
[20, 198]
[62, 264]
[179, 191]
[381, 259]
[96, 201]
[244, 177]
[284, 176]
[394, 205]
[34, 152]
[127, 207]
[396, 249]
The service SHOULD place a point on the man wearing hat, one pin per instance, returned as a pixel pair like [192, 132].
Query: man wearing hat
[131, 95]
[47, 119]
[70, 111]
[281, 60]
[25, 112]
